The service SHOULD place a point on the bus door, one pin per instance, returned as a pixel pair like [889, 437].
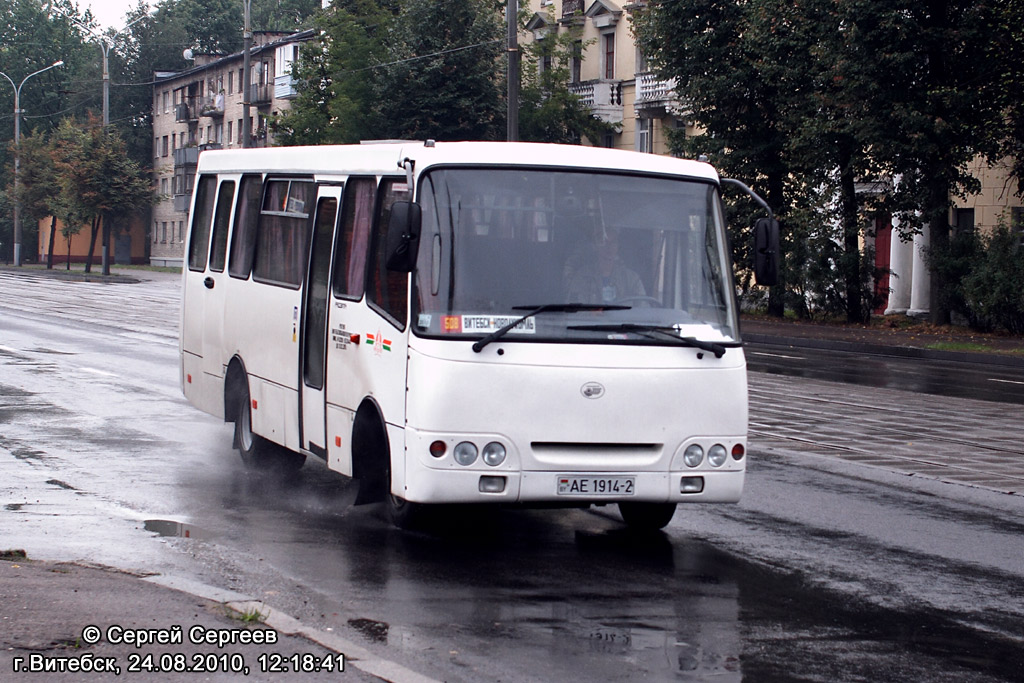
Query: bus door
[214, 361]
[313, 357]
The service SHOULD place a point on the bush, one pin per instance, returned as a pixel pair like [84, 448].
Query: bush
[985, 278]
[994, 289]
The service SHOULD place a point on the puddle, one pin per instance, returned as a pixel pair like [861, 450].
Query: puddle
[14, 507]
[377, 631]
[171, 529]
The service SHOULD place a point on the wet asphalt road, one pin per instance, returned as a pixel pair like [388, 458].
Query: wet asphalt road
[827, 570]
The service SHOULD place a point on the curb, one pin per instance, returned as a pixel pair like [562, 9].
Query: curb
[883, 350]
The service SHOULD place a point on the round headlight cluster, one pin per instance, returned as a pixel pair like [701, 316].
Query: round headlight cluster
[494, 454]
[465, 453]
[694, 455]
[717, 455]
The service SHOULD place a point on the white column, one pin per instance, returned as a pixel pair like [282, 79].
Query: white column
[921, 287]
[901, 263]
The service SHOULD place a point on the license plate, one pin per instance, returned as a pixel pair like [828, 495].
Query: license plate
[590, 485]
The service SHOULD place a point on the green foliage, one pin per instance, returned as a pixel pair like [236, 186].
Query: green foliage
[797, 98]
[337, 103]
[442, 78]
[986, 277]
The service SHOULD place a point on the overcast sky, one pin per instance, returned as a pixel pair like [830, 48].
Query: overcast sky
[110, 13]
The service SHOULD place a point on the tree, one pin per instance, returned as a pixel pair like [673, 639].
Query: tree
[38, 189]
[548, 111]
[98, 182]
[708, 48]
[443, 77]
[338, 102]
[820, 94]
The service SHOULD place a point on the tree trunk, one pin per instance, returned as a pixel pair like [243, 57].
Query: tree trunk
[777, 293]
[92, 243]
[53, 238]
[851, 238]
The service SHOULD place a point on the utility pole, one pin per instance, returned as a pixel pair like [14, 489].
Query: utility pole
[246, 78]
[512, 20]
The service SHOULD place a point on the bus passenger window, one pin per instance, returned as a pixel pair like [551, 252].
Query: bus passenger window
[356, 219]
[199, 241]
[220, 225]
[282, 237]
[389, 290]
[243, 239]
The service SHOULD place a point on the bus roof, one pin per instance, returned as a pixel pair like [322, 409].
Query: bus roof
[386, 157]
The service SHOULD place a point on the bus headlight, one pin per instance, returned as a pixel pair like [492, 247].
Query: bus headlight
[465, 453]
[693, 455]
[717, 455]
[493, 454]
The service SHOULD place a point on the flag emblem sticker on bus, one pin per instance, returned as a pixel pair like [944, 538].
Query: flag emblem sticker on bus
[379, 343]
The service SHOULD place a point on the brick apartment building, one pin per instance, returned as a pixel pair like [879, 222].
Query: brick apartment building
[201, 108]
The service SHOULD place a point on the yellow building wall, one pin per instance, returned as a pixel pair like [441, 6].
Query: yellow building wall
[79, 243]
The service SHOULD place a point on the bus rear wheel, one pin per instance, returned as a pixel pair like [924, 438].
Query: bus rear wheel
[647, 516]
[259, 453]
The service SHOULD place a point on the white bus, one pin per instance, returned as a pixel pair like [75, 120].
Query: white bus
[471, 322]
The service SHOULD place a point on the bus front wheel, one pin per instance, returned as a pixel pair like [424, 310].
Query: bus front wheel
[259, 453]
[647, 516]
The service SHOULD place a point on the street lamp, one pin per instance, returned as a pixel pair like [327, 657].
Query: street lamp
[17, 158]
[105, 43]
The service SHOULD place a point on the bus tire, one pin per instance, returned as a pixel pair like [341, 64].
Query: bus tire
[259, 453]
[647, 516]
[402, 513]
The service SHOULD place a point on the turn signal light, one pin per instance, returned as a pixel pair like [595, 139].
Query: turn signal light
[737, 452]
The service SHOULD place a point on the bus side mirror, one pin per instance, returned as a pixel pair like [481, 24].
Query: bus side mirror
[766, 251]
[403, 236]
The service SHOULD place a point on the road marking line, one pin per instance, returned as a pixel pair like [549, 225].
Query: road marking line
[775, 355]
[94, 371]
[1005, 381]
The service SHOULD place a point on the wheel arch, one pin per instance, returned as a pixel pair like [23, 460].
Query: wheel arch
[236, 387]
[371, 452]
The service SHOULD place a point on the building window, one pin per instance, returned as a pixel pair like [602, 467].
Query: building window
[1017, 221]
[156, 232]
[230, 137]
[644, 135]
[163, 233]
[167, 101]
[239, 131]
[964, 221]
[608, 54]
[231, 82]
[165, 147]
[181, 231]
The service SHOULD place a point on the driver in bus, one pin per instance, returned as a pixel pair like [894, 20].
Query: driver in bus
[598, 275]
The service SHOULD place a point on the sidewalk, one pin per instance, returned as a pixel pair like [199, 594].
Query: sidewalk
[65, 621]
[916, 340]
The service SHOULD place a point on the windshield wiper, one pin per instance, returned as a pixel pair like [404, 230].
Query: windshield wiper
[479, 345]
[650, 331]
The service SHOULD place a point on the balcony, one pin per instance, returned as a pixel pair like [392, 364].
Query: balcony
[654, 94]
[186, 156]
[185, 112]
[212, 106]
[181, 202]
[261, 95]
[603, 97]
[284, 88]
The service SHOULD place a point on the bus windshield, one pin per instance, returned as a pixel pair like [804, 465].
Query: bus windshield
[497, 243]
